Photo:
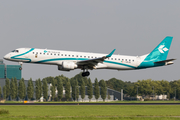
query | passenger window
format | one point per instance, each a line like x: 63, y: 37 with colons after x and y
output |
x: 84, y: 56
x: 58, y: 54
x: 47, y: 53
x: 115, y: 58
x: 72, y: 55
x: 69, y: 55
x: 65, y: 55
x: 111, y: 58
x: 61, y: 54
x: 122, y: 59
x: 76, y: 55
x: 54, y: 54
x: 92, y: 57
x: 80, y: 56
x: 40, y: 53
x: 33, y: 52
x: 119, y: 59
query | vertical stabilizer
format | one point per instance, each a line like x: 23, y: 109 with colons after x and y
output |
x: 161, y: 51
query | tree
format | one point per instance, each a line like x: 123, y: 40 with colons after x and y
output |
x: 82, y: 90
x: 60, y: 88
x: 24, y: 88
x: 21, y: 89
x: 0, y: 92
x: 89, y: 89
x: 72, y: 82
x: 45, y: 89
x: 53, y: 89
x: 7, y: 88
x: 13, y: 89
x: 4, y: 92
x: 103, y: 90
x: 96, y: 89
x: 40, y: 87
x: 37, y: 90
x: 30, y: 89
x: 67, y: 90
x: 16, y: 87
x: 76, y: 90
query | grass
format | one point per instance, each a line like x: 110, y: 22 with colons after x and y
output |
x: 137, y: 112
x: 3, y: 111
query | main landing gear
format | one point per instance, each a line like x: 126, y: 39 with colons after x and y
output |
x: 87, y: 73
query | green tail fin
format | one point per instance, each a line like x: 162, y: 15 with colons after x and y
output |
x: 161, y: 51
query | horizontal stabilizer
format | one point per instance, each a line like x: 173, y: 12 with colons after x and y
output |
x: 165, y: 61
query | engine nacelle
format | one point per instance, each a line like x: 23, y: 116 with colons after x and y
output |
x: 67, y: 66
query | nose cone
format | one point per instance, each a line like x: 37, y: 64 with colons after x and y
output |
x: 7, y: 57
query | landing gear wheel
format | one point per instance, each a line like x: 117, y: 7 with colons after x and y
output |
x: 87, y: 73
x: 84, y: 74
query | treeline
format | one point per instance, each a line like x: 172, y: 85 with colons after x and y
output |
x: 75, y: 86
x: 147, y: 87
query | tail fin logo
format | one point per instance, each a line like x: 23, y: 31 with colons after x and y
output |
x: 162, y: 49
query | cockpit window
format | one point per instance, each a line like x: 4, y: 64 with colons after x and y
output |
x: 15, y: 51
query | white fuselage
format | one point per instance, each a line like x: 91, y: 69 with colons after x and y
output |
x: 57, y: 57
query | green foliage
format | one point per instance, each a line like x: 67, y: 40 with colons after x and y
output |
x: 0, y: 92
x: 24, y: 88
x: 67, y: 90
x: 16, y: 87
x: 60, y: 88
x: 7, y: 87
x: 89, y: 89
x: 13, y: 89
x: 4, y: 92
x: 21, y: 89
x: 77, y: 90
x: 53, y: 89
x: 82, y: 90
x: 72, y: 81
x: 37, y: 90
x: 103, y: 90
x: 45, y: 89
x: 3, y: 111
x: 30, y: 89
x: 96, y: 89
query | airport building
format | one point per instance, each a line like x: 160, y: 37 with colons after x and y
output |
x: 10, y: 71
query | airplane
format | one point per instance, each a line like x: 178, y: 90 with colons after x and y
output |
x: 70, y: 60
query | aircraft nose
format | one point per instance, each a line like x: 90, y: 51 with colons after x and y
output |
x: 6, y: 57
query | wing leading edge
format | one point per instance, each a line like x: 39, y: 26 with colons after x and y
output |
x: 93, y: 62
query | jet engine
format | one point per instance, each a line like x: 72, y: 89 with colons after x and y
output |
x: 67, y: 66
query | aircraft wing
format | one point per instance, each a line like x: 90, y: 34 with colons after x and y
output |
x: 93, y: 62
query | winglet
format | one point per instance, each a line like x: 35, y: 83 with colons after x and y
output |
x: 110, y: 53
